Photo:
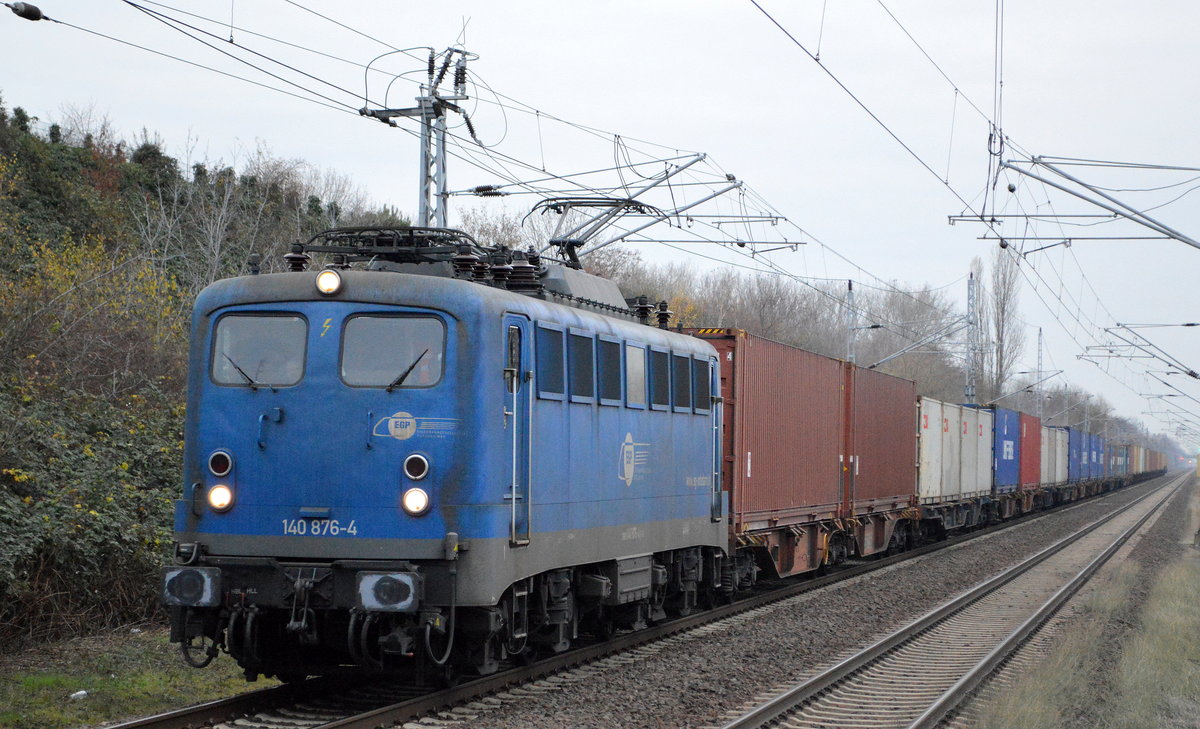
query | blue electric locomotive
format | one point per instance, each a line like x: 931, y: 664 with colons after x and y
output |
x: 440, y: 456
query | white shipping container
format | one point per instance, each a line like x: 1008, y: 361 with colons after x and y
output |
x: 934, y: 449
x: 929, y: 449
x: 942, y: 446
x: 952, y: 451
x: 1061, y: 451
x: 969, y: 463
x: 976, y: 471
x: 1047, y: 470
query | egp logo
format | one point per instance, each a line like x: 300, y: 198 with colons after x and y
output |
x: 632, y: 455
x: 400, y: 426
x: 403, y: 426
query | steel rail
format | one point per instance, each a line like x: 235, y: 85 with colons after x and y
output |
x: 414, y: 708
x: 235, y: 707
x: 964, y: 687
x: 784, y: 703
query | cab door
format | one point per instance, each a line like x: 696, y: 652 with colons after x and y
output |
x: 518, y: 407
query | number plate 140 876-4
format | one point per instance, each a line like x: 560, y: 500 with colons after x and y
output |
x: 319, y: 528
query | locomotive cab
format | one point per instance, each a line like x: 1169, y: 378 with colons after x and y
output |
x: 324, y: 439
x: 364, y: 486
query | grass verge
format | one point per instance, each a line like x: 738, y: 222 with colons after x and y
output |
x: 1157, y: 680
x: 126, y: 675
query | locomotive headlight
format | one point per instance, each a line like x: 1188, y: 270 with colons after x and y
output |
x: 220, y: 463
x: 415, y: 501
x: 220, y: 497
x: 416, y: 467
x: 329, y: 282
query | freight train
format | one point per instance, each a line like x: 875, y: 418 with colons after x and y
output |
x: 430, y: 456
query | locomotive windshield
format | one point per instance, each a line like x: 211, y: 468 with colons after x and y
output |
x: 254, y: 350
x: 393, y: 351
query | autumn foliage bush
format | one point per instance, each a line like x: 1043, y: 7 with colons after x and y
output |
x: 86, y: 488
x: 103, y: 245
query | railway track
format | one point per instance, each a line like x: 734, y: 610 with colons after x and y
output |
x: 918, y: 675
x: 331, y: 703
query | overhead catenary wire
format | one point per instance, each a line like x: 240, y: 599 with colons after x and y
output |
x: 860, y: 103
x: 482, y: 162
x: 179, y: 25
x: 340, y: 107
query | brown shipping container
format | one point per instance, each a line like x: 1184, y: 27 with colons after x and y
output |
x: 783, y: 430
x: 1030, y: 451
x: 885, y: 441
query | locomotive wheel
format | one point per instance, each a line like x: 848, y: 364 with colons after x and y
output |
x: 605, y: 629
x: 449, y: 676
x: 527, y: 656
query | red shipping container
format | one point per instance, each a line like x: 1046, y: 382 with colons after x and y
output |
x: 884, y: 441
x: 1031, y: 451
x: 784, y: 418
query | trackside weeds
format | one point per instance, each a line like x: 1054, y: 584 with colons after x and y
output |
x: 1130, y: 661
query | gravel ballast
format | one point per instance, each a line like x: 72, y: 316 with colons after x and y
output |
x: 701, y: 676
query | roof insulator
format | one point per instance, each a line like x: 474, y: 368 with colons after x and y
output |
x: 663, y: 315
x: 297, y: 260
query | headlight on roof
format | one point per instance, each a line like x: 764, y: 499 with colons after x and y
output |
x: 329, y: 282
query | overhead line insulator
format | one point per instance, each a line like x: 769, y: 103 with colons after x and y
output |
x: 27, y: 11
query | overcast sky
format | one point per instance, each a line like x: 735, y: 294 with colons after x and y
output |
x: 1099, y: 80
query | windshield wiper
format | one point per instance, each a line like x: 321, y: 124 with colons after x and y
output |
x: 403, y: 375
x: 249, y: 380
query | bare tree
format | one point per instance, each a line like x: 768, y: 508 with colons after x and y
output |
x: 1007, y: 341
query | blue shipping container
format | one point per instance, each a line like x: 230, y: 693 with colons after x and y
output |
x: 1075, y: 455
x: 1006, y: 451
x: 1118, y: 461
x: 1099, y: 469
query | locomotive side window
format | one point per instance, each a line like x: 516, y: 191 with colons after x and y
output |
x: 701, y: 386
x: 550, y: 363
x: 393, y: 351
x: 609, y: 369
x: 581, y: 366
x: 681, y: 382
x: 512, y: 362
x: 635, y: 376
x: 660, y: 380
x: 259, y: 350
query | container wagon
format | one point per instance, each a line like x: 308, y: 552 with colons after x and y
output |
x: 818, y: 454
